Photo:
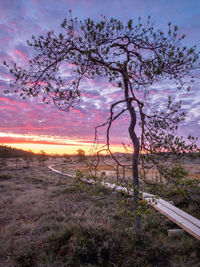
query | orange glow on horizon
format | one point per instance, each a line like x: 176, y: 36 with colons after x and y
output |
x: 50, y: 144
x: 60, y: 149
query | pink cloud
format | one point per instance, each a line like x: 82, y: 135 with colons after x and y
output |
x: 14, y: 102
x: 30, y: 127
x: 89, y: 95
x: 39, y: 83
x: 10, y: 30
x: 77, y: 112
x: 37, y: 17
x: 8, y: 108
x: 21, y: 140
x: 4, y: 99
x: 19, y: 53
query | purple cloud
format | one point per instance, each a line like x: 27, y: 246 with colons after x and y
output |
x: 20, y: 19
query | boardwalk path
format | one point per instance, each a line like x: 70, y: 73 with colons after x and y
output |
x: 181, y: 218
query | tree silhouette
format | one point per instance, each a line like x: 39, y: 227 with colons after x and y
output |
x: 132, y: 56
x: 81, y: 155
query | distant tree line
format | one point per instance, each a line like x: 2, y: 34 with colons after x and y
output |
x: 9, y: 152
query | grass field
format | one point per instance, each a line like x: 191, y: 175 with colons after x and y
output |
x: 50, y: 220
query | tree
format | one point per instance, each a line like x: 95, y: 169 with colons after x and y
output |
x: 132, y: 56
x: 42, y: 157
x: 81, y: 155
x: 28, y: 158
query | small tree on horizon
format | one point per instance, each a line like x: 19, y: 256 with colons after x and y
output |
x: 81, y: 155
x: 42, y: 157
x: 132, y: 56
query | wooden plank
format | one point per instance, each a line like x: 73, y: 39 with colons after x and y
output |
x: 182, y: 222
x: 176, y: 210
x: 59, y: 172
x: 55, y: 170
x: 178, y: 216
x: 175, y: 232
x: 181, y: 218
x: 180, y: 212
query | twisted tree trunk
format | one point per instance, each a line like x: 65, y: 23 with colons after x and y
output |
x: 135, y: 155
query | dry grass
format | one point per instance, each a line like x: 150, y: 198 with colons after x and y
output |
x: 193, y: 168
x: 49, y: 220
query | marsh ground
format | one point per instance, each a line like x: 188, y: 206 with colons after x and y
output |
x: 50, y: 220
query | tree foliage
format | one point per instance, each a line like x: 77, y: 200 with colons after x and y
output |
x: 108, y: 48
x: 81, y: 155
x: 132, y: 56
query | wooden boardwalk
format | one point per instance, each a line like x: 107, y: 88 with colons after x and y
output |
x: 178, y: 216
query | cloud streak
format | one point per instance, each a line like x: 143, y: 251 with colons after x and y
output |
x: 20, y: 19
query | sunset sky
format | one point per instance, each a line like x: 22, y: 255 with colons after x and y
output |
x: 31, y: 124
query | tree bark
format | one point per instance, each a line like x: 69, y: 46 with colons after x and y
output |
x: 135, y: 155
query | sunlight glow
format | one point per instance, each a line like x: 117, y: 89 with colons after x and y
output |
x: 49, y: 144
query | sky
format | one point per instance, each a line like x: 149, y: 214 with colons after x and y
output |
x: 31, y: 124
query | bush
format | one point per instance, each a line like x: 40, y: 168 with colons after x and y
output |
x: 84, y: 245
x: 96, y: 246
